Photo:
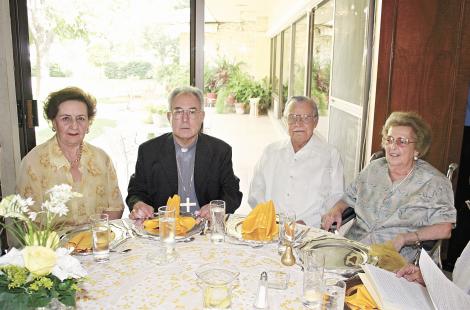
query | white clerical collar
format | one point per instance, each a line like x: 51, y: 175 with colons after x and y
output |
x: 186, y: 149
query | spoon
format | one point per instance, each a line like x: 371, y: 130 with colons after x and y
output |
x: 121, y: 251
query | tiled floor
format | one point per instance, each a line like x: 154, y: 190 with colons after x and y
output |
x: 248, y: 136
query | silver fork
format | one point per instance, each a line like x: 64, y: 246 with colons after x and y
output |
x: 128, y: 228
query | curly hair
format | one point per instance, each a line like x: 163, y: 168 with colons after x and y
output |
x: 53, y: 101
x: 421, y: 129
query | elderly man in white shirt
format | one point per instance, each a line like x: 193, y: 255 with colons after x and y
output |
x: 303, y: 173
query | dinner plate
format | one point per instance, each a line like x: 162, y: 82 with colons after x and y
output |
x: 138, y: 228
x: 342, y: 256
x: 65, y: 236
x: 233, y: 228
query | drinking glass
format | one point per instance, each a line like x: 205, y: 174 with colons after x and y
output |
x: 100, y: 233
x: 286, y: 220
x: 313, y: 285
x: 217, y: 210
x: 217, y: 282
x: 334, y: 294
x: 167, y: 229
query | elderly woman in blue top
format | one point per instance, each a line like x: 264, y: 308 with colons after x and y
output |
x: 400, y: 197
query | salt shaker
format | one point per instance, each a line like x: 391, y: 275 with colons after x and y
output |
x: 261, y: 301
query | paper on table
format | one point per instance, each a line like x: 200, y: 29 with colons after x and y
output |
x: 393, y: 292
x: 444, y: 293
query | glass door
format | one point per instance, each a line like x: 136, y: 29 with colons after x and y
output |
x: 128, y: 54
x: 350, y: 81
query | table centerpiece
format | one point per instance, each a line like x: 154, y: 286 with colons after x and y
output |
x: 40, y: 273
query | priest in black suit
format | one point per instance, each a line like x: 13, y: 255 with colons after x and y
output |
x: 186, y: 162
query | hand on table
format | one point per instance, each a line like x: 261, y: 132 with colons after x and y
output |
x: 141, y: 210
x: 205, y: 212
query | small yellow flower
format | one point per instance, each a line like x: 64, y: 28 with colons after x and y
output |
x: 39, y: 260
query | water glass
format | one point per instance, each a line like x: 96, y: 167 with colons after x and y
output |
x: 167, y: 229
x: 100, y: 233
x: 217, y: 282
x: 334, y: 294
x: 217, y: 210
x: 313, y: 285
x: 286, y: 220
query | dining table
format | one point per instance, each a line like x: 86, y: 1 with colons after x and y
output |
x: 132, y: 280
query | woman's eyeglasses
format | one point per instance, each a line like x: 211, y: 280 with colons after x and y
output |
x: 191, y: 113
x: 400, y: 141
x: 301, y: 118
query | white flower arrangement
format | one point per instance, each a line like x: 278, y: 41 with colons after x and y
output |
x: 40, y: 271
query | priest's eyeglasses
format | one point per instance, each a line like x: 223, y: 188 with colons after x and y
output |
x: 301, y: 118
x: 400, y: 141
x: 190, y: 113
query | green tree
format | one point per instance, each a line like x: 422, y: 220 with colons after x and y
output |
x: 47, y: 25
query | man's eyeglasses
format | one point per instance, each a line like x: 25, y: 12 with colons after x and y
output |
x: 190, y: 113
x: 301, y: 118
x: 400, y: 141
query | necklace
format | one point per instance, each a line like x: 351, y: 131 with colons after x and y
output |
x: 394, y: 188
x: 188, y: 204
x: 74, y: 163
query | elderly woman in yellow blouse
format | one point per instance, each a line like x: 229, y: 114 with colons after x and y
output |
x: 401, y: 197
x: 67, y: 159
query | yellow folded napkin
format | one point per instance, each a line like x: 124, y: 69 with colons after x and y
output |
x: 260, y: 224
x: 183, y: 223
x: 389, y: 258
x: 358, y: 298
x: 83, y: 241
x: 173, y: 203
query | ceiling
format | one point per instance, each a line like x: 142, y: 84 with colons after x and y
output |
x: 235, y: 11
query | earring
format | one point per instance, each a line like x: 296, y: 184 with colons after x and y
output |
x: 415, y: 157
x: 53, y: 129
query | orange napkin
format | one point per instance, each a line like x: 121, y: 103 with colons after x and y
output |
x: 389, y: 258
x: 173, y: 203
x: 260, y: 224
x: 183, y: 223
x: 83, y: 241
x: 358, y: 298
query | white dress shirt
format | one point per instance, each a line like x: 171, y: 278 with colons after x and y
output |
x: 461, y: 273
x: 309, y: 182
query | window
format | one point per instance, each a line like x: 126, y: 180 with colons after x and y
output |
x: 321, y: 62
x: 299, y: 56
x: 286, y: 59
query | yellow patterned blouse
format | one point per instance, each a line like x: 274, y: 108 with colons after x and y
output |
x: 46, y: 166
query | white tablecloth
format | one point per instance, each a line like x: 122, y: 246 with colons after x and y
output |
x: 132, y: 281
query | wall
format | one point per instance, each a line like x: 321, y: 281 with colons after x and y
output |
x: 9, y: 145
x: 424, y: 66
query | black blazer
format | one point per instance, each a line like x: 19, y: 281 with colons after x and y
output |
x: 156, y: 175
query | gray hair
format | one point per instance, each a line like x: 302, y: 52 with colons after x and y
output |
x: 196, y: 92
x: 296, y: 99
x: 420, y: 128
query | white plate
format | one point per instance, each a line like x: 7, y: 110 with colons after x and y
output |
x: 119, y: 235
x: 138, y: 228
x: 233, y: 227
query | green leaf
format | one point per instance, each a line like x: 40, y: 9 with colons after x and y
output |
x: 13, y: 301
